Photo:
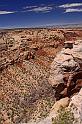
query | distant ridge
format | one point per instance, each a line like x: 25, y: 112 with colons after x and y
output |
x: 65, y: 26
x: 47, y: 26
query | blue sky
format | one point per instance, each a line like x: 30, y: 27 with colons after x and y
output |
x: 32, y: 13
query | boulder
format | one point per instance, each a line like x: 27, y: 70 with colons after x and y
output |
x: 56, y: 79
x: 76, y: 107
x: 64, y: 102
x: 3, y: 47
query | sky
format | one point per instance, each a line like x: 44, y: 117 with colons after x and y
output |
x: 34, y: 13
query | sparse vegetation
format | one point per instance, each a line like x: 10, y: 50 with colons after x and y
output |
x: 25, y: 61
x: 65, y: 116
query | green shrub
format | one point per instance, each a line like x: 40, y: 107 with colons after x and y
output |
x: 64, y: 116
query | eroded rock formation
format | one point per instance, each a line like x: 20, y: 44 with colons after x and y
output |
x: 76, y: 107
x: 66, y: 75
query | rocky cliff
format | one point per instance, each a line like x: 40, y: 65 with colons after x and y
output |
x: 66, y: 79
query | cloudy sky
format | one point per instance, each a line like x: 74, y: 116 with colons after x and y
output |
x: 28, y: 13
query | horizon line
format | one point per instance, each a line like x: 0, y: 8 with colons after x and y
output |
x: 41, y: 26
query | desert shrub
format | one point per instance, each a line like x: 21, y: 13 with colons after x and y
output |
x: 65, y: 116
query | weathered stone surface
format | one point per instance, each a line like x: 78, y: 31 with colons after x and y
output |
x: 74, y: 83
x: 3, y: 45
x: 76, y: 107
x: 64, y: 102
x: 67, y: 61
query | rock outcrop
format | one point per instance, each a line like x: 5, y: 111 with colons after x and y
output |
x: 65, y: 67
x: 76, y: 107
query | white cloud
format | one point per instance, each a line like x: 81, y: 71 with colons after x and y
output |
x: 70, y: 5
x: 41, y: 9
x: 73, y: 10
x: 29, y: 7
x: 5, y: 12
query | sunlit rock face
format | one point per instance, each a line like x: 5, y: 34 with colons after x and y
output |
x: 76, y: 107
x: 65, y: 67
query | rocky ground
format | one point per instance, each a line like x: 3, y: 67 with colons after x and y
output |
x: 27, y: 87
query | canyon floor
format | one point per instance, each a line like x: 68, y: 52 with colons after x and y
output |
x: 26, y: 56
